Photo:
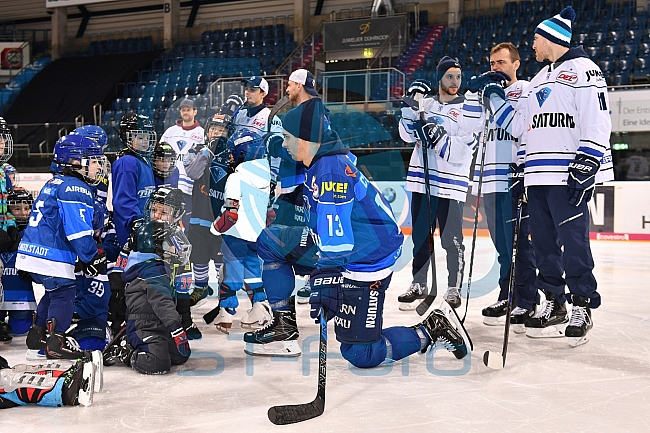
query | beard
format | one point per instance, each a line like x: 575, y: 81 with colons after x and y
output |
x: 449, y: 91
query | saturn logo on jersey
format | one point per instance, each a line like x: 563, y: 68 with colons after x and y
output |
x: 373, y: 303
x: 542, y: 95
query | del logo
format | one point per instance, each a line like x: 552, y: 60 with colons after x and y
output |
x: 258, y: 123
x: 515, y: 94
x: 338, y: 187
x: 542, y: 95
x: 567, y: 77
x: 454, y: 113
x: 197, y: 137
x: 349, y: 172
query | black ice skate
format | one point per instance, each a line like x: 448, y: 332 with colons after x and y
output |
x: 580, y: 322
x: 5, y: 333
x: 199, y: 294
x: 193, y: 332
x: 407, y: 300
x: 452, y: 296
x: 442, y: 331
x: 550, y: 321
x: 118, y: 350
x: 492, y: 313
x: 78, y: 383
x: 517, y: 318
x: 36, y: 342
x: 279, y: 336
x: 59, y: 345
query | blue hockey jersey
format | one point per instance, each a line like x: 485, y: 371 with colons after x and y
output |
x: 59, y: 230
x: 132, y: 183
x: 19, y: 294
x: 353, y: 224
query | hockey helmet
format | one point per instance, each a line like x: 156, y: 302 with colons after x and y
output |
x: 6, y: 141
x: 100, y: 215
x: 12, y: 174
x: 163, y: 239
x: 246, y: 145
x: 164, y: 159
x: 83, y: 156
x: 165, y: 204
x: 94, y: 132
x: 138, y: 134
x: 19, y: 204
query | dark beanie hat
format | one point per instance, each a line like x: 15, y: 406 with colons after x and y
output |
x: 444, y: 64
x: 307, y: 120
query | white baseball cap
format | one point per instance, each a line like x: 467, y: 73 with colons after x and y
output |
x: 306, y: 78
x: 258, y: 82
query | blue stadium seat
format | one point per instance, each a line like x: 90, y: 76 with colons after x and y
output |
x: 608, y: 50
x: 606, y: 65
x: 621, y: 79
x: 644, y: 48
x: 625, y: 63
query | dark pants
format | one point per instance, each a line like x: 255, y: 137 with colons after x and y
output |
x: 156, y: 355
x: 501, y: 212
x: 448, y: 214
x: 556, y: 224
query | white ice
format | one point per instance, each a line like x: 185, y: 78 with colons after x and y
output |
x: 546, y: 386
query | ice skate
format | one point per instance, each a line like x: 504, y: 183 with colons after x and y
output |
x: 492, y: 313
x: 60, y: 345
x: 452, y: 296
x: 78, y: 384
x: 5, y: 332
x: 118, y: 350
x: 199, y: 295
x: 36, y: 342
x: 223, y: 321
x: 61, y: 365
x: 580, y: 322
x: 517, y: 318
x: 279, y: 336
x: 453, y: 318
x: 550, y: 321
x: 416, y: 291
x: 302, y: 295
x: 193, y: 332
x: 258, y: 316
x: 441, y: 333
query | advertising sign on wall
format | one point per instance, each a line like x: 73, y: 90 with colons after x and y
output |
x: 359, y: 34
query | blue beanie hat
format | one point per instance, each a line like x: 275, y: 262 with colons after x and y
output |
x: 445, y: 64
x: 558, y: 28
x: 307, y: 121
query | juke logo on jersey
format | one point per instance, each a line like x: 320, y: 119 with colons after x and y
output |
x: 553, y: 120
x: 542, y: 95
x: 594, y: 73
x: 336, y: 187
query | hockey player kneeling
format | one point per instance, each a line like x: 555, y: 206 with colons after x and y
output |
x: 154, y: 338
x: 358, y: 242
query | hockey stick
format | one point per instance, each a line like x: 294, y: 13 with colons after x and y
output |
x: 428, y: 300
x: 492, y: 359
x: 478, y: 202
x: 289, y: 414
x: 211, y: 315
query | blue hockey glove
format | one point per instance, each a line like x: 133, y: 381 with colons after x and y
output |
x: 516, y: 181
x: 325, y: 292
x: 477, y: 83
x: 434, y: 132
x: 582, y: 178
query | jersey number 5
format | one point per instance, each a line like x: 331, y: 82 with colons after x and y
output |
x: 36, y: 217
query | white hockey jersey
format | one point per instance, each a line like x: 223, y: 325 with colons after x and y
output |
x: 182, y: 139
x: 250, y: 185
x: 449, y: 164
x: 258, y: 123
x: 500, y: 146
x: 565, y: 112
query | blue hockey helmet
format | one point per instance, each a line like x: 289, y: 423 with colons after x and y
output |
x: 12, y: 173
x: 100, y: 215
x: 138, y: 134
x: 93, y: 131
x: 246, y: 145
x: 83, y: 156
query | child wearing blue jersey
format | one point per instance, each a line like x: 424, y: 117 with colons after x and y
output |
x: 358, y: 241
x: 58, y: 234
x: 19, y: 301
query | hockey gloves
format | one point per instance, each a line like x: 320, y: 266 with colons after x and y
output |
x: 325, y: 292
x: 478, y: 83
x: 582, y: 178
x: 25, y: 276
x: 97, y: 265
x: 223, y: 223
x: 419, y: 86
x: 516, y: 178
x: 182, y: 344
x: 434, y: 132
x: 274, y: 145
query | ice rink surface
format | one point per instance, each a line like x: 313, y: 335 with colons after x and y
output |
x: 547, y: 386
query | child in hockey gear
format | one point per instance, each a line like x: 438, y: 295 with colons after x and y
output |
x: 8, y: 232
x: 19, y: 301
x: 48, y: 385
x: 550, y: 321
x: 183, y: 136
x: 60, y: 233
x: 209, y: 166
x: 449, y: 156
x: 99, y: 135
x: 13, y: 177
x: 164, y: 165
x: 341, y: 208
x: 241, y: 222
x: 501, y: 186
x: 154, y: 327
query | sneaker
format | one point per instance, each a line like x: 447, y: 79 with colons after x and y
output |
x: 580, y: 322
x: 258, y: 316
x: 193, y: 332
x: 452, y: 296
x: 492, y: 313
x: 518, y: 317
x: 279, y: 336
x: 415, y: 292
x: 118, y: 350
x: 550, y: 321
x: 78, y: 388
x: 199, y: 294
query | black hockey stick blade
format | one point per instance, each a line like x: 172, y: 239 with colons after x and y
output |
x: 211, y: 315
x: 293, y: 413
x: 424, y: 305
x: 493, y: 360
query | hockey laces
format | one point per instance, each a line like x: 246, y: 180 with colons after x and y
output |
x: 72, y: 344
x: 499, y: 304
x: 415, y: 287
x: 518, y: 311
x: 579, y: 316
